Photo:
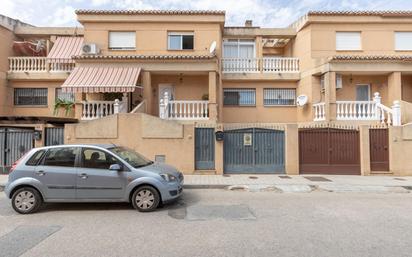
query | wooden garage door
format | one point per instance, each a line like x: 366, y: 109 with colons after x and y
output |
x: 329, y: 151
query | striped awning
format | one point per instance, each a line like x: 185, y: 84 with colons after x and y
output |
x: 64, y: 48
x: 102, y: 79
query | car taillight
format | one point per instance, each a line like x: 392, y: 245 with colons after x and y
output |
x: 13, y: 166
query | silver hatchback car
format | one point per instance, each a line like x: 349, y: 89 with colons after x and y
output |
x: 90, y: 173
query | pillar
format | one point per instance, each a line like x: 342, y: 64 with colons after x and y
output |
x: 292, y: 149
x: 330, y: 95
x: 394, y: 87
x: 147, y: 91
x: 365, y: 158
x: 212, y: 96
x: 219, y: 153
x: 78, y: 109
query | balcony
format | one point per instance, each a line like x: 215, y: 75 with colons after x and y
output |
x: 92, y: 110
x: 261, y: 68
x: 361, y: 111
x: 183, y: 109
x: 264, y: 65
x: 38, y: 67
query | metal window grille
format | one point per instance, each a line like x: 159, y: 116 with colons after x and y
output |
x: 30, y: 96
x: 239, y: 97
x: 66, y: 96
x: 278, y: 96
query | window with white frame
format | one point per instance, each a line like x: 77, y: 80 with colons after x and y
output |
x: 403, y: 41
x: 279, y: 96
x: 64, y: 96
x: 122, y: 40
x: 239, y: 48
x: 30, y: 96
x: 348, y: 41
x: 180, y: 41
x: 239, y: 97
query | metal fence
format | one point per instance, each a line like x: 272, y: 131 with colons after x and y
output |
x: 54, y: 136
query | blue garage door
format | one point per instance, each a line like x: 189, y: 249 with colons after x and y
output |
x: 254, y: 150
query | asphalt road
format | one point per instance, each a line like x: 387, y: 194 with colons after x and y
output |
x: 218, y: 223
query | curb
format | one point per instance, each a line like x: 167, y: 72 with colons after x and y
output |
x: 205, y: 186
x: 307, y: 188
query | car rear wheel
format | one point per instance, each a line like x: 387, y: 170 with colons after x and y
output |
x: 26, y: 200
x: 145, y: 199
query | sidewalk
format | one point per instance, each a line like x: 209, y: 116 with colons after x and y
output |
x: 297, y: 184
x: 302, y: 183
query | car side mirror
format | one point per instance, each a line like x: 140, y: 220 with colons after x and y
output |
x: 115, y: 167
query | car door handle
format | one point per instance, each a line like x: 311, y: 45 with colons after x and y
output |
x: 83, y: 176
x: 41, y: 173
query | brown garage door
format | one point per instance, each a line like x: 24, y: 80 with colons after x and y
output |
x: 329, y: 151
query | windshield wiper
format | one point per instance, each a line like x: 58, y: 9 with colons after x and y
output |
x: 144, y: 165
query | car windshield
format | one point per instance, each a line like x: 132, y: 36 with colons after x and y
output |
x: 131, y: 157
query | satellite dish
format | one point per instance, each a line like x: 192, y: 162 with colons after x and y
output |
x: 212, y: 48
x: 302, y: 100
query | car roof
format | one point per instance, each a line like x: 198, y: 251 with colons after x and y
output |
x: 104, y: 146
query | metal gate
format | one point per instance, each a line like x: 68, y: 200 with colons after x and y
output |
x: 254, y: 150
x: 329, y: 151
x: 14, y: 142
x: 379, y: 149
x: 54, y: 136
x: 204, y: 149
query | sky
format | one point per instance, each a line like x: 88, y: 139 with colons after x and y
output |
x: 265, y: 13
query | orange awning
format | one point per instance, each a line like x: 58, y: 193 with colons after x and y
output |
x: 64, y: 48
x: 102, y: 79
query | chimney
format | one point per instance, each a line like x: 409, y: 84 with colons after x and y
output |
x: 248, y: 23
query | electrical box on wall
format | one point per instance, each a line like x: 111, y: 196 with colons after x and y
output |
x: 339, y: 82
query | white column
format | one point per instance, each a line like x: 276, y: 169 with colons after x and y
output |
x: 377, y: 100
x: 396, y: 110
x: 116, y: 106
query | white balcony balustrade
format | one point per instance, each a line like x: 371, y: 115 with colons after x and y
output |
x: 38, y: 64
x: 362, y: 111
x: 264, y: 65
x: 319, y: 112
x: 92, y: 110
x: 356, y: 110
x: 183, y: 109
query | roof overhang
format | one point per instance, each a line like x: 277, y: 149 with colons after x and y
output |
x: 263, y: 32
x: 175, y: 16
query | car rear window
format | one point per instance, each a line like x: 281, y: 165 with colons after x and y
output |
x: 35, y: 158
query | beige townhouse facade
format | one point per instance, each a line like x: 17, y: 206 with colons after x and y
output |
x: 330, y: 94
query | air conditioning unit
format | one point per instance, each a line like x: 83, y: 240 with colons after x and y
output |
x: 339, y: 83
x: 90, y: 49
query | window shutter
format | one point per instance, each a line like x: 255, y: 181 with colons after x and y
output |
x: 348, y: 41
x: 403, y: 41
x: 122, y: 40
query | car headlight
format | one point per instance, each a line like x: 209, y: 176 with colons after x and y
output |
x: 168, y: 177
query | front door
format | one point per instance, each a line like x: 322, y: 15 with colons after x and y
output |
x: 57, y: 172
x: 362, y: 93
x: 94, y: 178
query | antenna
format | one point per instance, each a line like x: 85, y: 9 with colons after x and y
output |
x: 212, y: 48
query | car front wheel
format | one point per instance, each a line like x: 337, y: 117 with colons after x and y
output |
x: 26, y: 200
x: 145, y: 199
